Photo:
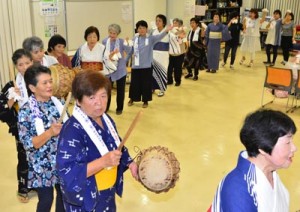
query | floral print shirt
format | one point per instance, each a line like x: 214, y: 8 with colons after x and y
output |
x: 42, y: 162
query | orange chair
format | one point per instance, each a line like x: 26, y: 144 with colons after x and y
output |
x: 297, y: 92
x: 278, y: 79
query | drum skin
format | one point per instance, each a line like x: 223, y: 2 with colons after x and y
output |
x: 158, y: 169
x: 62, y: 79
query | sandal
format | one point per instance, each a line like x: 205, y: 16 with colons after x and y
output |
x: 250, y: 64
x: 130, y: 103
x: 242, y: 61
x: 160, y: 94
x: 23, y: 198
x: 145, y: 105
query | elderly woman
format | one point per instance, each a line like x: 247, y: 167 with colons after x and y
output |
x: 89, y: 56
x: 56, y: 48
x: 13, y: 97
x: 213, y: 36
x: 141, y: 74
x: 35, y: 46
x: 89, y: 164
x: 115, y: 64
x: 160, y: 57
x: 195, y: 56
x: 177, y: 40
x: 38, y: 131
x: 254, y: 184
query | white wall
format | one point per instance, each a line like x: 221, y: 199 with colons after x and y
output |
x: 177, y: 9
x: 248, y: 3
x: 148, y: 9
x: 38, y: 21
x: 142, y: 10
x: 99, y: 14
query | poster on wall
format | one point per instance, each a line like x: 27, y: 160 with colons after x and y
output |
x: 126, y: 11
x: 200, y: 10
x: 50, y: 30
x: 49, y: 8
x: 189, y: 8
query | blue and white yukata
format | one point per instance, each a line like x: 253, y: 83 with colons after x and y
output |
x: 76, y: 149
x: 246, y: 189
x: 160, y: 62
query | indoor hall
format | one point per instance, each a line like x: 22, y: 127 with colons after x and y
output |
x: 198, y: 121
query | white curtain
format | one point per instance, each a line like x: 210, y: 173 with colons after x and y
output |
x: 15, y: 25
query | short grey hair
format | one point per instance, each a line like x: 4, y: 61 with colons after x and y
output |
x: 33, y: 43
x: 115, y: 28
x: 179, y: 21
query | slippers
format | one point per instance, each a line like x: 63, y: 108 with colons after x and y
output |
x: 23, y: 198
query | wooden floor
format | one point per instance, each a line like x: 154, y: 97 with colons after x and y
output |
x: 200, y: 122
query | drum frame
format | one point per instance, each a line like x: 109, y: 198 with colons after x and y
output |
x: 174, y: 163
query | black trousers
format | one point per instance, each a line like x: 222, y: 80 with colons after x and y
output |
x: 233, y: 48
x: 141, y: 85
x: 22, y: 169
x: 175, y: 66
x: 45, y: 196
x: 268, y: 50
x: 196, y: 62
x: 286, y: 45
x: 121, y: 83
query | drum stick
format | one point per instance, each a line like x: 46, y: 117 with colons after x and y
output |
x: 60, y: 120
x: 132, y: 126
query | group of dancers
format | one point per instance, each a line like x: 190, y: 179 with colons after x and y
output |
x: 157, y: 57
x: 49, y: 156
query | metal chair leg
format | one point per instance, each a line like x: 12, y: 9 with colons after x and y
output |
x: 295, y: 107
x: 262, y: 99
